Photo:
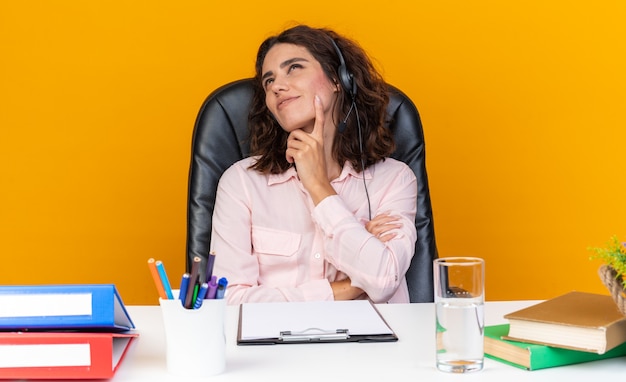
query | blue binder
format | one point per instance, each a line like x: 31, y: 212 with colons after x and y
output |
x: 94, y: 307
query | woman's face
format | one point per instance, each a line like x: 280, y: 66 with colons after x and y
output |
x: 292, y: 77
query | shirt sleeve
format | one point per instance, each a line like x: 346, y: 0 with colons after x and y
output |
x: 376, y: 267
x: 232, y: 243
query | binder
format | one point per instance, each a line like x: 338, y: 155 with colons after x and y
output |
x: 62, y: 355
x: 96, y: 307
x: 311, y: 322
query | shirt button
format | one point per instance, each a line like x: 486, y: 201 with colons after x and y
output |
x: 317, y: 255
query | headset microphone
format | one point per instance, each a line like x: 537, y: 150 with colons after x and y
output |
x: 342, y: 124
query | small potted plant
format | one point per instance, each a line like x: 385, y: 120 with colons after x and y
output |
x: 613, y: 271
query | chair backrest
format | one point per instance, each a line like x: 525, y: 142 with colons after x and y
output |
x: 220, y: 138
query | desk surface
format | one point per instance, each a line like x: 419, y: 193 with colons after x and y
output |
x: 412, y: 358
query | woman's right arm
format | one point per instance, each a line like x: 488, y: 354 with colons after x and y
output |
x: 231, y: 241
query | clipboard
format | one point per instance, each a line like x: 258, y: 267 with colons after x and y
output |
x: 276, y: 323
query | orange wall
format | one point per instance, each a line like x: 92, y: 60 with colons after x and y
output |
x: 523, y: 105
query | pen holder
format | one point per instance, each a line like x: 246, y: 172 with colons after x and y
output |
x: 194, y: 338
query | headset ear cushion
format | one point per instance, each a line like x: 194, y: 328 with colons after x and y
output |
x: 347, y: 81
x: 343, y: 78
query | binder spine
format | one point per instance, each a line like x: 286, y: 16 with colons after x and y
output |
x: 60, y: 307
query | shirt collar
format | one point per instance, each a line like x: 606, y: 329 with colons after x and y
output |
x: 347, y: 170
x: 283, y: 177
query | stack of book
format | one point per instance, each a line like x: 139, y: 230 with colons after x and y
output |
x: 62, y: 331
x: 573, y: 328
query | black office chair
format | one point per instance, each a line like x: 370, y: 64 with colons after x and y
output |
x: 220, y: 139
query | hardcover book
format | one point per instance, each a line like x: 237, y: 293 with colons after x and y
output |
x: 531, y: 356
x: 576, y: 320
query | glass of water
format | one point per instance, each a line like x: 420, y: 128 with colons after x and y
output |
x: 459, y: 300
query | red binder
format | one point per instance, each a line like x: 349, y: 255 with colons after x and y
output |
x: 62, y: 355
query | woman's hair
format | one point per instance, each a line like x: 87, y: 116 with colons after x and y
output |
x: 269, y: 141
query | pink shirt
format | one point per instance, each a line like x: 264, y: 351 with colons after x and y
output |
x: 273, y: 244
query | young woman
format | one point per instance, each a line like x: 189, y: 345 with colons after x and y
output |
x: 319, y: 211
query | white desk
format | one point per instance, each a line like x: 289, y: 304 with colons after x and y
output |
x: 412, y: 358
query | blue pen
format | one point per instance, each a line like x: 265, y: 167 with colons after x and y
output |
x: 201, y: 294
x: 184, y: 284
x: 164, y: 280
x: 221, y: 288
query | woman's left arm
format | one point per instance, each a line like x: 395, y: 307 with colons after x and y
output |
x: 377, y: 254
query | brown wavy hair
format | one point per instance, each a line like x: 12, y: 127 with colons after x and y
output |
x: 269, y: 141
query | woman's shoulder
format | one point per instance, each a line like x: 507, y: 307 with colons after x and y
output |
x: 246, y: 162
x: 392, y: 167
x: 392, y: 164
x: 242, y: 166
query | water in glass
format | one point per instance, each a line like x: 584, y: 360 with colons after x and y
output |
x: 459, y: 334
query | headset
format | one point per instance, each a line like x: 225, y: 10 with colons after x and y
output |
x: 346, y: 79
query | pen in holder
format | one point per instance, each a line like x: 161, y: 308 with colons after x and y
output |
x: 194, y: 338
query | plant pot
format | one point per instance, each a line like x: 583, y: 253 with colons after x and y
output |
x: 615, y: 285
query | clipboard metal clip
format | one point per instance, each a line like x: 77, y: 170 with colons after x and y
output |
x: 314, y: 334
